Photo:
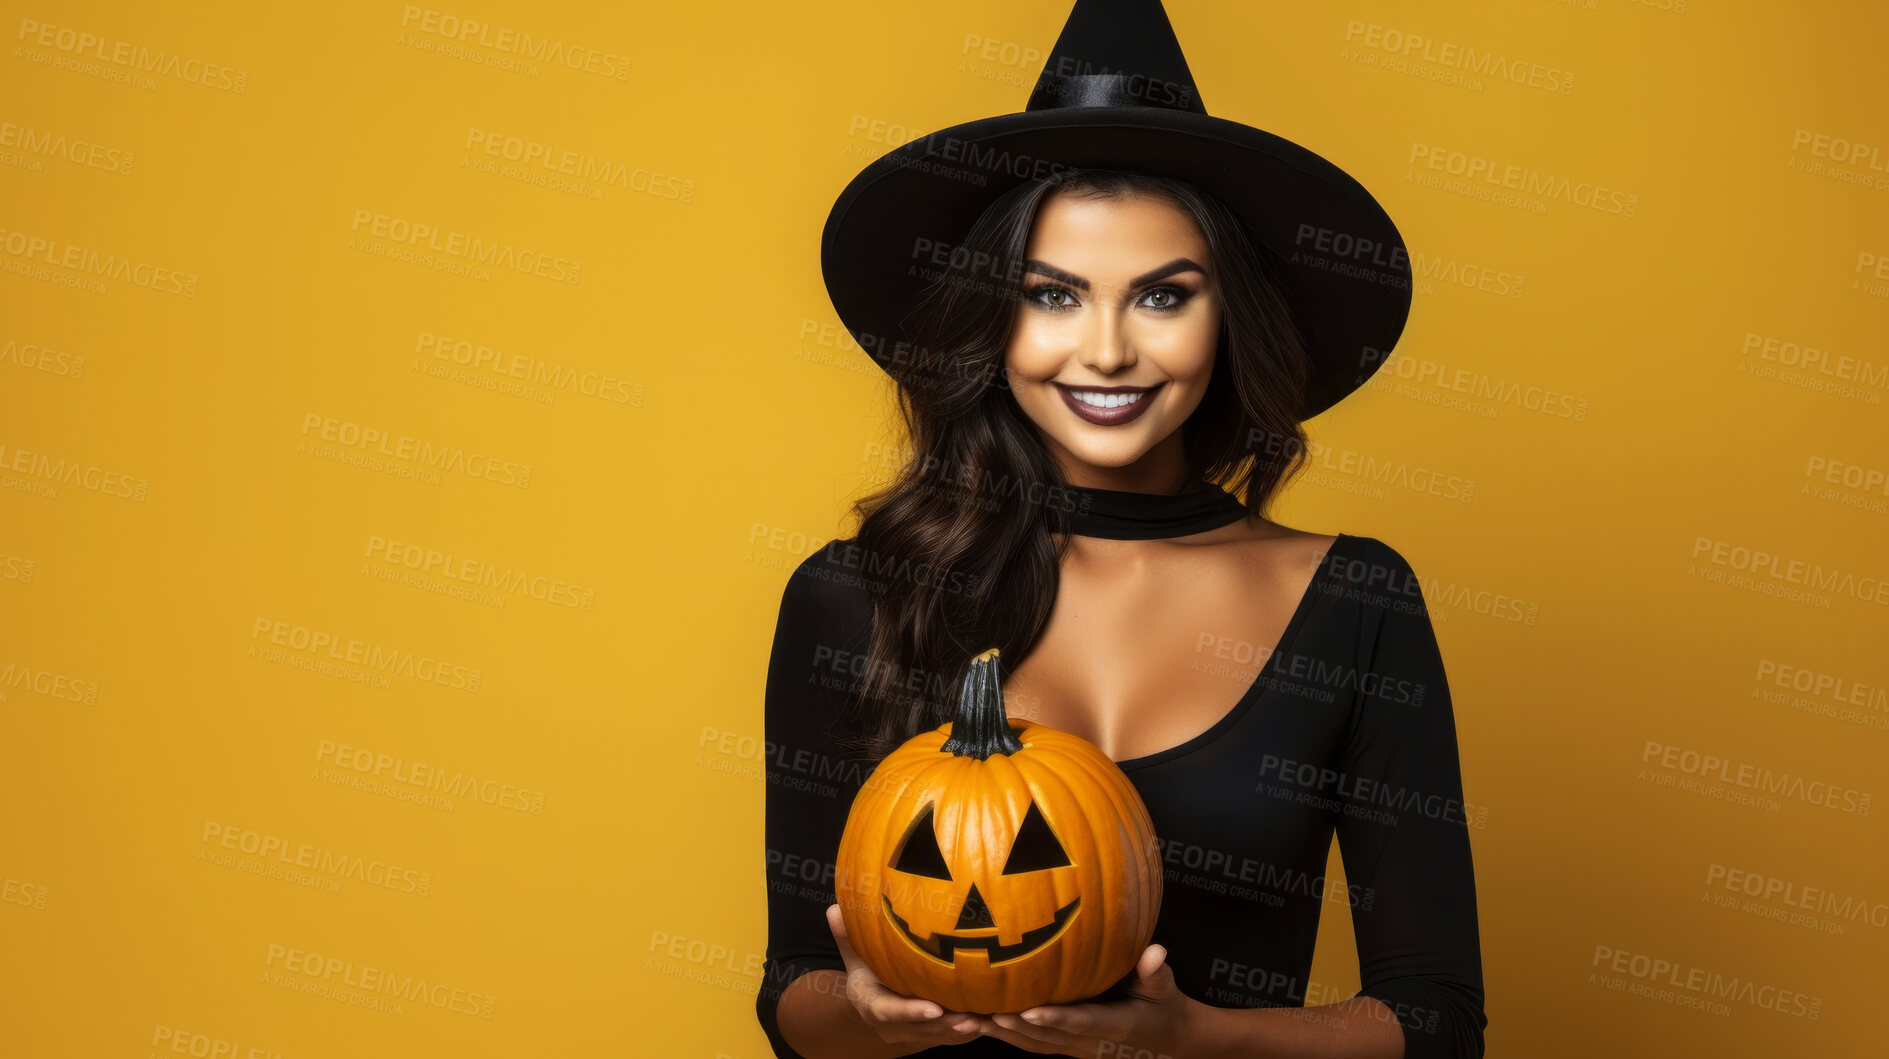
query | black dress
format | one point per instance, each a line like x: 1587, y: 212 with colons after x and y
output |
x: 1347, y: 727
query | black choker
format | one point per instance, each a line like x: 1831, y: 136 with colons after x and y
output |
x: 1118, y: 514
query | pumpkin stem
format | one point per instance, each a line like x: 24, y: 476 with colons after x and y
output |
x: 980, y: 728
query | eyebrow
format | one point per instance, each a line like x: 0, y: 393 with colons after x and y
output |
x: 1178, y: 265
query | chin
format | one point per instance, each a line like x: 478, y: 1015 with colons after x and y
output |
x: 1120, y: 452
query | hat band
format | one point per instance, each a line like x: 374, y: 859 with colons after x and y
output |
x: 1055, y: 91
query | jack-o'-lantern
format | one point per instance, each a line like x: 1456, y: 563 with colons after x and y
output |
x: 989, y: 867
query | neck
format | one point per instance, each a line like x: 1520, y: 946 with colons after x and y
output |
x: 1139, y: 516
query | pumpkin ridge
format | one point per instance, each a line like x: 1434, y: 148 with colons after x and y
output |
x: 1130, y: 817
x: 1071, y: 971
x: 1125, y: 871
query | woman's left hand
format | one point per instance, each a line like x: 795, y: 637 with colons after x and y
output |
x: 1155, y: 1016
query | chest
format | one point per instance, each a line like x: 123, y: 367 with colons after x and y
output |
x: 1148, y: 647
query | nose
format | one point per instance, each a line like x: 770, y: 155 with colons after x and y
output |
x: 1106, y: 346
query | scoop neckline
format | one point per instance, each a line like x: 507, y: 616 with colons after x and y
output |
x: 1257, y: 689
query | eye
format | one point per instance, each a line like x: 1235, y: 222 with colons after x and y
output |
x: 919, y: 855
x: 1036, y: 847
x: 1049, y: 296
x: 1166, y: 299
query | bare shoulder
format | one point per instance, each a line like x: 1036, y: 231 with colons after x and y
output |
x: 1278, y: 538
x: 1294, y: 554
x: 1302, y: 550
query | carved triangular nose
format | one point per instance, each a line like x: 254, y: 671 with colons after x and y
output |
x: 976, y: 913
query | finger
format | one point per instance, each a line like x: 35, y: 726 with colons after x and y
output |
x: 1151, y: 961
x: 1154, y: 979
x: 837, y: 924
x: 874, y: 1000
x: 1057, y: 1040
x: 950, y: 1028
x: 886, y: 1006
x: 958, y: 1027
x: 854, y: 965
x: 928, y: 1035
x: 1030, y: 1043
x: 864, y: 989
x: 1083, y: 1020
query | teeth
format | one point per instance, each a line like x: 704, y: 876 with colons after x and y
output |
x: 1107, y: 400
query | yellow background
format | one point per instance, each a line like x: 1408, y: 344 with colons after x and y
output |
x: 602, y: 884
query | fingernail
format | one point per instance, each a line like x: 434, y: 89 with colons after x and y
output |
x: 932, y: 1013
x: 1031, y: 1016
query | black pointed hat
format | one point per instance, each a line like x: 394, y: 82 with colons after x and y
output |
x: 1116, y: 93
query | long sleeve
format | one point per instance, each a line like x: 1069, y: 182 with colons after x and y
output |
x: 819, y: 641
x: 1403, y: 835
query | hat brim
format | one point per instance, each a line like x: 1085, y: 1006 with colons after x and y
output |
x: 1341, y: 259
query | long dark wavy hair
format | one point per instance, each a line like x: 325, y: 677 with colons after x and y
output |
x: 959, y: 548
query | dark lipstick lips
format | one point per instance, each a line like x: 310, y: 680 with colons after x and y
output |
x: 1108, y: 417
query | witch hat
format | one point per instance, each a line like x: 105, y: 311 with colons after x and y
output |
x: 1116, y: 93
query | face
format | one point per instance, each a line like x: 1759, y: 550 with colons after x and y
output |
x: 1034, y: 849
x: 1114, y: 341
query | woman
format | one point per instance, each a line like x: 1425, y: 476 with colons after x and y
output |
x: 1091, y: 373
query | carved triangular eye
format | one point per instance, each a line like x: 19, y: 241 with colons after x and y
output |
x: 1036, y: 847
x: 920, y: 854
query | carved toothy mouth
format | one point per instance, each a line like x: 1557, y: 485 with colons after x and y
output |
x: 945, y: 946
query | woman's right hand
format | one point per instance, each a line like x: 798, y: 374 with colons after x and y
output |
x: 896, y: 1018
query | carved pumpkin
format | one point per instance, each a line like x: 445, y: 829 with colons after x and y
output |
x: 989, y: 867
